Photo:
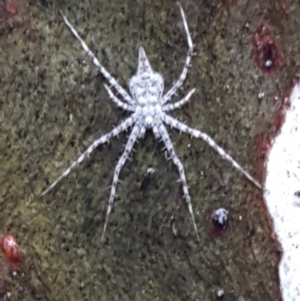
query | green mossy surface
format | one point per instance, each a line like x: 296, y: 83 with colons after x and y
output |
x: 53, y: 105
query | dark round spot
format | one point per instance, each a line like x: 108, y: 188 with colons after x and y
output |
x: 220, y: 219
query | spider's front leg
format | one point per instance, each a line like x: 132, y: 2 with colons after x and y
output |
x: 198, y: 134
x: 135, y: 133
x: 160, y: 131
x: 116, y: 131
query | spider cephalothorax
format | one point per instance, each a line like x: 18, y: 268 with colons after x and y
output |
x: 149, y: 107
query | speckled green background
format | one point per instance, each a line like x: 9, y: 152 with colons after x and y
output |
x: 53, y: 105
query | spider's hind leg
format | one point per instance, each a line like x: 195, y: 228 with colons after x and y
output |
x: 113, y: 82
x: 183, y: 74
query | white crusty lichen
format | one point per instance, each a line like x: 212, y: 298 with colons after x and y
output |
x: 282, y: 195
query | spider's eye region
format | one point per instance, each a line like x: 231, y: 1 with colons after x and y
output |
x: 148, y: 120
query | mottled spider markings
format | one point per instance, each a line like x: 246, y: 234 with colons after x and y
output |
x: 149, y: 107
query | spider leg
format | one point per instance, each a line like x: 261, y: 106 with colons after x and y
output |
x: 117, y: 101
x: 96, y: 62
x: 120, y: 128
x: 179, y: 103
x: 128, y: 148
x: 198, y: 134
x: 183, y: 74
x: 163, y: 134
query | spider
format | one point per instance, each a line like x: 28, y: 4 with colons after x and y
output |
x: 149, y: 109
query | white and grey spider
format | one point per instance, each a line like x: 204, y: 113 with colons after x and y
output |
x: 149, y: 107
